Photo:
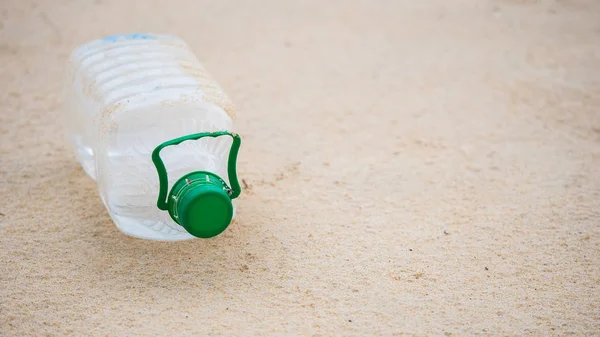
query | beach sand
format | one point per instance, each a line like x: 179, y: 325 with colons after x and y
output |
x: 411, y: 168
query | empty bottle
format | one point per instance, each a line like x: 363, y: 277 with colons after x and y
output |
x: 154, y: 130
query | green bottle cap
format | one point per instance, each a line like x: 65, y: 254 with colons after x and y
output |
x: 200, y: 201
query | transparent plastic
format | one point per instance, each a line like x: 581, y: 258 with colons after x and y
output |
x: 124, y: 96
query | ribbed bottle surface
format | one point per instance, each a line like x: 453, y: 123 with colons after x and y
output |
x: 127, y: 94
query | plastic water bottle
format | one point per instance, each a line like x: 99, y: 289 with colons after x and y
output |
x: 154, y: 130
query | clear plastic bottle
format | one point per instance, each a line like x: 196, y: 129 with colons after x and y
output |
x: 144, y: 116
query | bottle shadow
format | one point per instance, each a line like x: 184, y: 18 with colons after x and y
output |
x: 119, y: 261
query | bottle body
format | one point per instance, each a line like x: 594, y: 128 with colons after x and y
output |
x: 126, y: 95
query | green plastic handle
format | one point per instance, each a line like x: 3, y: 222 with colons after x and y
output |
x: 231, y: 164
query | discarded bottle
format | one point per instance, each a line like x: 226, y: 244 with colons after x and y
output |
x: 143, y: 115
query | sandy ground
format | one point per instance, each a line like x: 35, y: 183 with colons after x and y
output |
x: 413, y: 168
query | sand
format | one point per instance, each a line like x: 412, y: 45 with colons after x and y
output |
x: 412, y: 168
